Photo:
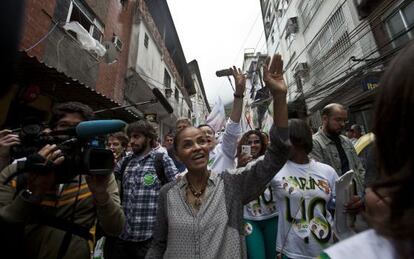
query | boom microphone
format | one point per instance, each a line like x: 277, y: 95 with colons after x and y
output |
x: 98, y: 127
x: 163, y: 101
x: 92, y: 128
x: 224, y: 72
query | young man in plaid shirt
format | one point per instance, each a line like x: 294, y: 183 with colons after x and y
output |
x: 140, y: 185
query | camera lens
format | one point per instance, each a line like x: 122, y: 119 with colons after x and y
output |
x: 32, y: 129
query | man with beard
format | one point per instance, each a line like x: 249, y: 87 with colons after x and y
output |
x: 332, y: 148
x: 336, y: 150
x: 140, y: 186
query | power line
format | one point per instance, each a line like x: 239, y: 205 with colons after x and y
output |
x: 325, y: 24
x: 353, y: 34
x: 43, y: 38
x: 358, y: 29
x: 257, y: 44
x: 373, y: 51
x: 315, y: 95
x: 247, y: 37
x: 314, y: 37
x: 383, y: 58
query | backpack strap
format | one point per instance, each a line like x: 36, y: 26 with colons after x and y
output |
x: 159, y: 168
x: 120, y: 175
x: 124, y: 164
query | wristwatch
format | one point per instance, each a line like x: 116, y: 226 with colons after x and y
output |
x: 27, y: 195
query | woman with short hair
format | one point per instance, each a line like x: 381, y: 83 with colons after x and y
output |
x: 201, y: 215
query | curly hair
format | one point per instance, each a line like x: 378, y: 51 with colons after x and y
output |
x: 121, y: 137
x: 60, y: 110
x: 245, y: 137
x: 145, y: 128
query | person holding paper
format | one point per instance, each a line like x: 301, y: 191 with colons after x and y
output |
x: 389, y: 202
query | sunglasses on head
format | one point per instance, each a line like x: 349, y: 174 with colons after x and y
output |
x: 251, y: 142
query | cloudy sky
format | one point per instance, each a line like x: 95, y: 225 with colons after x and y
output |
x: 217, y: 33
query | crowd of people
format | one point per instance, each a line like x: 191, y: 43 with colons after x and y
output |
x: 247, y: 194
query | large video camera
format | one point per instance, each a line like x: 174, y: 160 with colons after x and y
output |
x: 82, y: 146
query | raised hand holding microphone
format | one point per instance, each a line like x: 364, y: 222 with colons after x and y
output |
x: 240, y: 82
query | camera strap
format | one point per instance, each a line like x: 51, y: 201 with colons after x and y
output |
x: 159, y: 168
x: 67, y: 226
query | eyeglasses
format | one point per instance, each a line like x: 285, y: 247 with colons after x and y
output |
x: 251, y: 142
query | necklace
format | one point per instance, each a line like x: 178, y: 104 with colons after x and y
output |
x: 197, y: 195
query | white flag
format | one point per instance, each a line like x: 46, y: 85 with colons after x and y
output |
x: 267, y: 122
x: 217, y: 117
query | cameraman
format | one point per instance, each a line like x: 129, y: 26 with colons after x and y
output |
x: 50, y: 220
x: 7, y: 140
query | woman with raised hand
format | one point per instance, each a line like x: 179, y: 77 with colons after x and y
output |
x: 260, y: 215
x: 389, y: 204
x: 201, y: 215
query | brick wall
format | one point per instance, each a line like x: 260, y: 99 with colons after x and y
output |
x: 100, y: 7
x: 111, y: 78
x: 37, y: 23
x: 118, y: 21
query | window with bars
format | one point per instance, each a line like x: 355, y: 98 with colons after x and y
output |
x: 289, y: 39
x: 167, y: 79
x: 400, y: 23
x: 146, y: 40
x: 269, y: 18
x: 333, y: 42
x: 333, y: 31
x: 177, y: 94
x: 307, y: 9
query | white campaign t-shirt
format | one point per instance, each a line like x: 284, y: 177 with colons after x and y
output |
x: 264, y: 207
x: 222, y: 157
x: 365, y: 245
x: 302, y: 195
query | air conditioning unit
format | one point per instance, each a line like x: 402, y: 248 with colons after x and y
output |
x: 279, y: 13
x: 302, y: 67
x: 267, y: 25
x: 117, y: 42
x: 292, y: 26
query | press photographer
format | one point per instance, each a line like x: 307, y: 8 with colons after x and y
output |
x: 48, y: 210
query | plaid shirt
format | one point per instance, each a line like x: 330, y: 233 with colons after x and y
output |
x: 140, y: 194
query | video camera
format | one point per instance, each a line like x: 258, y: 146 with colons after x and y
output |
x: 82, y: 146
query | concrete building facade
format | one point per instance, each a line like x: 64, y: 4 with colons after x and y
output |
x: 107, y: 54
x: 329, y: 55
x: 201, y: 107
x: 156, y: 60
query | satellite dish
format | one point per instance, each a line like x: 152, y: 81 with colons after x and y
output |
x: 111, y: 54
